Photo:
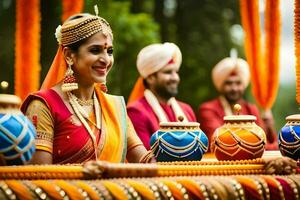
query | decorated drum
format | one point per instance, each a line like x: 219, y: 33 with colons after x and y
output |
x: 17, y: 134
x: 179, y: 141
x: 239, y: 138
x: 289, y: 137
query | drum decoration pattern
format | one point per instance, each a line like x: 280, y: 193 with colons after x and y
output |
x: 289, y: 137
x: 17, y: 133
x: 179, y: 141
x: 239, y: 138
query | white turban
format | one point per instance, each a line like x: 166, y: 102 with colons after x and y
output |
x: 154, y: 57
x: 228, y: 65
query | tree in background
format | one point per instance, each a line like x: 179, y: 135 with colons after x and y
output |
x: 202, y: 30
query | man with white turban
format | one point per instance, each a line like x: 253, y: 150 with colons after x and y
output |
x: 153, y: 98
x: 231, y: 77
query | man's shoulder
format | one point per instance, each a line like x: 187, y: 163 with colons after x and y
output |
x: 211, y: 104
x: 183, y: 104
x: 140, y: 104
x: 249, y: 105
x: 244, y: 102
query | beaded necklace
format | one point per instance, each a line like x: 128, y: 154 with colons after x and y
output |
x: 89, y: 102
x: 82, y: 115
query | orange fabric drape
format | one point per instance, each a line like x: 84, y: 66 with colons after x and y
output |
x: 57, y: 70
x: 27, y: 49
x: 137, y: 91
x: 71, y: 7
x: 59, y: 65
x: 263, y: 62
x: 297, y: 47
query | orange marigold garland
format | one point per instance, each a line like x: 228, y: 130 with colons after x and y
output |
x: 27, y: 49
x: 71, y: 7
x: 264, y: 63
x: 272, y: 30
x: 251, y: 25
x: 297, y: 47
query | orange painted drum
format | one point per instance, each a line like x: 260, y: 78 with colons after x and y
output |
x: 239, y: 138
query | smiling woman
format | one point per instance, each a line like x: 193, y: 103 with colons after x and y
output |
x: 76, y: 121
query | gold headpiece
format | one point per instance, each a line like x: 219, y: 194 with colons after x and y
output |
x: 81, y: 26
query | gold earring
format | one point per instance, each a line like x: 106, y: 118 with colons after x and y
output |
x: 103, y: 87
x: 69, y: 82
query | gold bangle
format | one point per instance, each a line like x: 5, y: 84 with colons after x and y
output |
x: 153, y: 187
x: 130, y: 190
x: 20, y: 190
x: 177, y: 189
x: 103, y: 192
x: 7, y: 191
x: 84, y: 194
x: 61, y: 192
x: 250, y: 185
x: 164, y: 190
x: 142, y: 188
x: 88, y: 189
x: 49, y: 188
x: 219, y: 188
x: 296, y: 180
x: 39, y: 193
x: 272, y: 182
x: 293, y: 186
x: 231, y: 192
x: 203, y: 188
x: 115, y: 189
x: 264, y: 186
x: 209, y: 189
x: 183, y: 190
x: 238, y: 187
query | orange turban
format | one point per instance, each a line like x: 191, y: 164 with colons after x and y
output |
x: 226, y: 67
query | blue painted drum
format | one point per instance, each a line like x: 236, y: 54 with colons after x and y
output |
x: 289, y: 137
x: 179, y: 141
x: 17, y: 133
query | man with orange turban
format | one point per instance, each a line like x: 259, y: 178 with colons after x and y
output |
x: 231, y: 77
x: 153, y: 98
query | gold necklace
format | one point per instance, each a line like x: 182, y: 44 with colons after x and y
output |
x: 85, y: 114
x: 82, y: 115
x: 81, y: 102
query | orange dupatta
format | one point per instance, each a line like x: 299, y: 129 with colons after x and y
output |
x: 113, y: 141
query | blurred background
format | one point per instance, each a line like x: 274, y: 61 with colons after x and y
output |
x: 204, y: 30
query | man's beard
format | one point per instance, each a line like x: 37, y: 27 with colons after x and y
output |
x: 165, y: 92
x: 233, y: 98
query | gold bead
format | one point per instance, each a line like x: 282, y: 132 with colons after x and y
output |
x: 237, y: 108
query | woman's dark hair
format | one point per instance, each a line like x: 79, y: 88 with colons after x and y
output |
x: 75, y: 46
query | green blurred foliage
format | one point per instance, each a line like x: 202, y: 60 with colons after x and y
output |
x: 204, y: 38
x: 131, y: 33
x: 285, y: 105
x: 7, y: 32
